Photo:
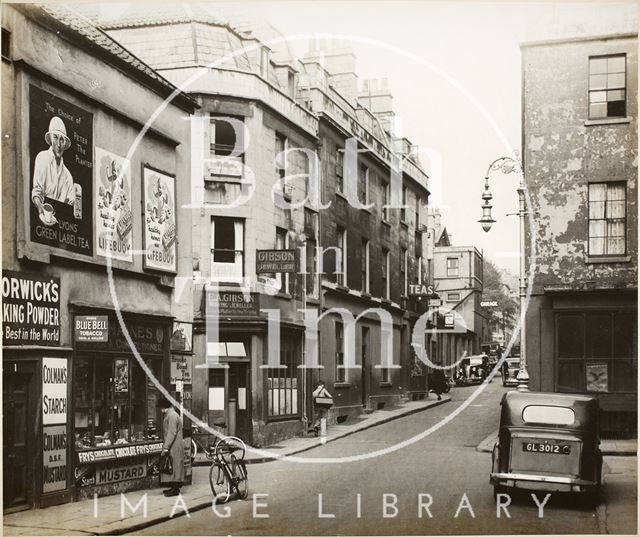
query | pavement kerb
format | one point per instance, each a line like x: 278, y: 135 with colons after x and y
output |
x: 486, y: 446
x: 207, y: 504
x: 356, y: 429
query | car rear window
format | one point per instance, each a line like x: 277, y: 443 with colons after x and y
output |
x: 550, y: 415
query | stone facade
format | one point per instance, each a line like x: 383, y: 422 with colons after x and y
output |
x: 583, y: 284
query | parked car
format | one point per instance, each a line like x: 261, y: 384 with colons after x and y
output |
x: 510, y: 368
x: 548, y: 442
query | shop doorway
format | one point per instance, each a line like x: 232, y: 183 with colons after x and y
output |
x: 239, y: 422
x: 17, y: 488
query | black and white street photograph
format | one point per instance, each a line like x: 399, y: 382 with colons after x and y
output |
x: 322, y: 267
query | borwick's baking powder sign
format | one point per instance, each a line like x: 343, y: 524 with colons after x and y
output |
x: 30, y: 309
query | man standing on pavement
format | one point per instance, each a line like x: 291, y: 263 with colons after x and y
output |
x: 172, y: 447
x: 320, y: 408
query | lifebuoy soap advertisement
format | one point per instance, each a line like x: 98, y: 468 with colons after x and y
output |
x: 61, y: 173
x: 159, y: 220
x: 114, y: 220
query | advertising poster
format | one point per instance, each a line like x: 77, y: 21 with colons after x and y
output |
x: 54, y: 458
x: 159, y: 228
x: 30, y: 309
x: 122, y: 376
x: 114, y: 219
x: 55, y: 374
x: 61, y: 173
x: 597, y: 378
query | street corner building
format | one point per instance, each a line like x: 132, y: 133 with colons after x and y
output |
x: 85, y: 271
x: 580, y: 114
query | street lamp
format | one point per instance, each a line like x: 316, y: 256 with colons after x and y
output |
x: 509, y: 165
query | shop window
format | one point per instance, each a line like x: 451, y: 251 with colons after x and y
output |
x: 227, y: 249
x: 282, y: 383
x: 607, y: 218
x: 596, y: 351
x: 607, y: 86
x: 341, y: 371
x: 115, y: 402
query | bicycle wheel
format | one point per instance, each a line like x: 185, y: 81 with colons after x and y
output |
x: 239, y: 476
x: 220, y: 486
x: 236, y: 445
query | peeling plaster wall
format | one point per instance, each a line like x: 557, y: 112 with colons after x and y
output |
x: 563, y: 152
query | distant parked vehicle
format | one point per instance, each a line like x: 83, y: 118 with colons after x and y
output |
x: 548, y: 442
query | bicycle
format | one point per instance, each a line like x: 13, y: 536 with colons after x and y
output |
x: 228, y: 472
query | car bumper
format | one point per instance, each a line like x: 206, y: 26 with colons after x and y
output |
x: 543, y: 482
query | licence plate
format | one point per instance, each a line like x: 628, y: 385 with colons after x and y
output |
x: 544, y: 447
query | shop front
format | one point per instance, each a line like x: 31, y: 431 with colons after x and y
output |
x: 116, y: 426
x: 240, y: 394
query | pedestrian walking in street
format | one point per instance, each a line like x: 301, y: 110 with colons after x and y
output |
x: 438, y: 381
x: 322, y: 402
x: 172, y: 447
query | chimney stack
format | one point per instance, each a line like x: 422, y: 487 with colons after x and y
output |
x: 337, y: 58
x: 376, y: 97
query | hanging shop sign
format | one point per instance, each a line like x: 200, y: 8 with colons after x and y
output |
x: 232, y: 303
x: 181, y: 366
x: 181, y: 336
x: 91, y: 328
x: 270, y: 261
x: 55, y: 374
x: 61, y: 173
x: 54, y: 458
x: 114, y: 219
x: 159, y: 227
x: 30, y: 309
